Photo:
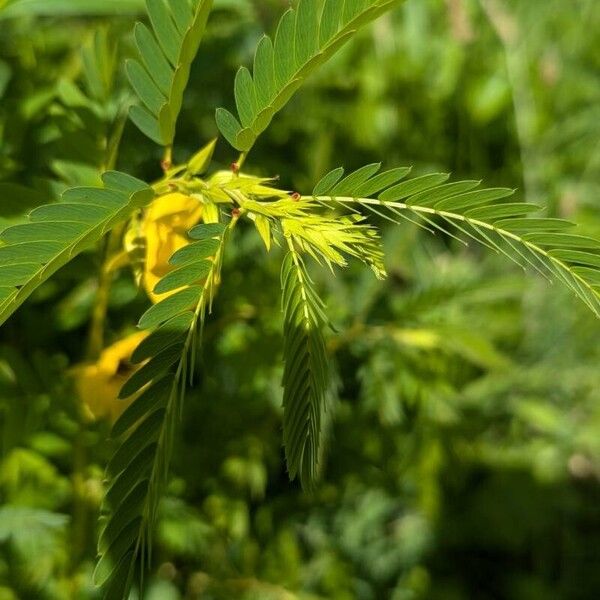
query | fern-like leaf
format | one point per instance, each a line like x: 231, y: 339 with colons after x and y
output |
x: 56, y: 233
x: 138, y: 469
x: 306, y: 376
x: 483, y: 215
x: 306, y: 38
x: 166, y: 55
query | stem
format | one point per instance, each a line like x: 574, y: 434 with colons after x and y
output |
x: 95, y: 344
x: 100, y: 310
x: 241, y: 160
x: 167, y: 161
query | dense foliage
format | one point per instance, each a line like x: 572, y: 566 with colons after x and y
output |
x: 456, y: 422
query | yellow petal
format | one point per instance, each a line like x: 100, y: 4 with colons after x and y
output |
x: 98, y: 384
x: 112, y: 357
x: 167, y: 222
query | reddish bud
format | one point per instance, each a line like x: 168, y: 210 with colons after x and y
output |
x: 235, y: 213
x: 235, y: 168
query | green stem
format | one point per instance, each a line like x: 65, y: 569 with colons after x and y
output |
x: 167, y: 161
x: 95, y: 344
x: 100, y: 310
x: 241, y: 160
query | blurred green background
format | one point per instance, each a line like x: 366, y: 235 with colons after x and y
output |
x: 464, y: 454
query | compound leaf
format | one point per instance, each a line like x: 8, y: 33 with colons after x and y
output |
x: 483, y: 215
x: 306, y: 37
x: 56, y: 233
x: 166, y: 54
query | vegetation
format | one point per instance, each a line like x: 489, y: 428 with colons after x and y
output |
x: 438, y: 407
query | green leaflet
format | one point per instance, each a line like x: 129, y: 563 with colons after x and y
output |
x: 186, y: 275
x: 430, y: 197
x: 413, y: 186
x: 120, y: 548
x: 169, y: 333
x: 355, y: 180
x: 139, y: 466
x: 155, y: 368
x: 306, y: 38
x: 381, y: 181
x: 328, y: 181
x: 56, y: 233
x: 154, y: 396
x: 147, y: 432
x: 128, y: 511
x: 194, y: 252
x: 577, y: 257
x: 166, y: 54
x: 306, y: 378
x: 170, y: 307
x: 483, y: 215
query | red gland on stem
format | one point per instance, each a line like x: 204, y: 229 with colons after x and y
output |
x: 166, y: 164
x: 296, y: 196
x: 235, y: 213
x: 235, y: 168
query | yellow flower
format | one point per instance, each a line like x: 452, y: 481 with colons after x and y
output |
x: 166, y: 224
x: 98, y: 384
